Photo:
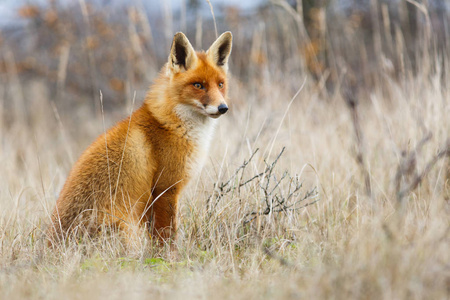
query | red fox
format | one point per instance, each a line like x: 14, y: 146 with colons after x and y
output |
x: 133, y: 174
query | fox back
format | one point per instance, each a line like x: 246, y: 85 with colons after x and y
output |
x: 133, y: 175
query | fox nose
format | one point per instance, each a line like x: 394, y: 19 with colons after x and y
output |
x: 223, y: 108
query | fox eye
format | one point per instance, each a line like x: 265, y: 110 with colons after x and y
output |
x: 220, y: 85
x: 198, y: 85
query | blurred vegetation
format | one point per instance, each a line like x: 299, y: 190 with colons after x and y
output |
x: 380, y: 229
x: 80, y: 48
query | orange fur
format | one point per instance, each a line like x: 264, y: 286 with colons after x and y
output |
x: 134, y: 175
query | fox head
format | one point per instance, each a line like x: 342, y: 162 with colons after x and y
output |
x: 198, y: 80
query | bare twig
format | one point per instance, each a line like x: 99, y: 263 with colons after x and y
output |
x: 352, y: 103
x: 408, y: 163
x: 408, y: 166
x: 223, y: 188
x: 269, y: 185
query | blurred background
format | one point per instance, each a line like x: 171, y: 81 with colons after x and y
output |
x: 354, y: 93
x: 70, y: 50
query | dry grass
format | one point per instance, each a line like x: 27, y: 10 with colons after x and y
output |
x: 350, y: 244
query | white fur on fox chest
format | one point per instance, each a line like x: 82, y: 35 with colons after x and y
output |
x: 200, y: 131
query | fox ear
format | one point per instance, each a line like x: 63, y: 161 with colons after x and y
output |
x: 182, y: 55
x: 220, y: 50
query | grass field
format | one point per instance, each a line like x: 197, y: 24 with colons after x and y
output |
x: 370, y: 220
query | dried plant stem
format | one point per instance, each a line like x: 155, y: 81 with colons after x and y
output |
x: 214, y: 18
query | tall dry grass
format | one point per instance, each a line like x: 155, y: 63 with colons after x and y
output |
x: 355, y: 242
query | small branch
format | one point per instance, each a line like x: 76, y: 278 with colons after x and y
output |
x: 268, y: 185
x: 419, y: 177
x: 224, y: 188
x: 408, y: 163
x: 352, y: 103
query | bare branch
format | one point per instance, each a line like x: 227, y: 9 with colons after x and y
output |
x: 352, y: 103
x: 417, y: 179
